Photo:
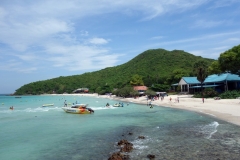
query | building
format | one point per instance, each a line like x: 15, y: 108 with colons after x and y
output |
x: 141, y: 89
x: 222, y: 82
x: 81, y: 90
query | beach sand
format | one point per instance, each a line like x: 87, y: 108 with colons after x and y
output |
x: 224, y: 109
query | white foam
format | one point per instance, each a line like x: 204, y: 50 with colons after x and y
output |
x: 210, y: 129
x: 102, y: 108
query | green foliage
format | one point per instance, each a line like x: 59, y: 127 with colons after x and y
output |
x: 125, y: 91
x: 154, y: 66
x: 229, y: 61
x: 150, y: 92
x: 176, y: 75
x: 214, y: 68
x: 230, y: 94
x: 160, y: 87
x: 136, y: 80
x: 200, y: 70
x: 207, y: 93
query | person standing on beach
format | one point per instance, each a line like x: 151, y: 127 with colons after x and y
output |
x: 202, y: 99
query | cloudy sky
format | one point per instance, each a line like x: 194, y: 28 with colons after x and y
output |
x: 41, y: 40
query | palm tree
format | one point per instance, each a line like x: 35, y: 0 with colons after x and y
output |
x: 200, y: 70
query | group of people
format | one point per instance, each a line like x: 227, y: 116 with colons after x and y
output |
x: 11, y: 108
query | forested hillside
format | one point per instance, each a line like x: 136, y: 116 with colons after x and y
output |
x: 156, y: 66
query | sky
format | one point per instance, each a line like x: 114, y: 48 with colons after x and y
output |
x: 40, y: 40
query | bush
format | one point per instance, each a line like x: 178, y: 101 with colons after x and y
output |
x: 230, y: 94
x: 207, y: 93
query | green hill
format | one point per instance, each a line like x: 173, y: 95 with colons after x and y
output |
x: 156, y: 66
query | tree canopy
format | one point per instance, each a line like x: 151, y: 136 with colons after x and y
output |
x: 229, y: 61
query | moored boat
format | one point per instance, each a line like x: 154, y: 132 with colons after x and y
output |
x: 118, y: 105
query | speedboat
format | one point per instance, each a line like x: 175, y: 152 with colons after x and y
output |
x: 118, y: 105
x: 78, y: 109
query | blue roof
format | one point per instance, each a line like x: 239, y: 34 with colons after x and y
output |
x: 222, y: 77
x: 204, y: 86
x: 190, y: 80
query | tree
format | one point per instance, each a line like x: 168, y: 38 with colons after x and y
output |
x: 200, y: 70
x: 229, y: 61
x: 214, y: 68
x: 136, y: 80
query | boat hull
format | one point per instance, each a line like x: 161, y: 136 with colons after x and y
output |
x: 76, y: 110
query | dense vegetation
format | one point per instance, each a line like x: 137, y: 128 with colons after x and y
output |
x: 229, y: 61
x: 158, y: 68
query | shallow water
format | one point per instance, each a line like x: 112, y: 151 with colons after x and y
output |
x: 33, y: 132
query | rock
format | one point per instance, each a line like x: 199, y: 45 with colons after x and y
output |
x: 141, y: 137
x: 118, y: 156
x: 150, y: 156
x: 125, y: 146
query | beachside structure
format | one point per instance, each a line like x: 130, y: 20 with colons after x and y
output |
x: 81, y: 90
x: 141, y: 89
x: 222, y: 82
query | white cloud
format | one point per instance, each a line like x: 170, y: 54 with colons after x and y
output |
x: 98, y: 41
x: 48, y: 30
x: 224, y: 3
x: 156, y: 38
x: 207, y: 24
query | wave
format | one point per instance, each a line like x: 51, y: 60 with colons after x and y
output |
x: 102, y: 108
x: 210, y: 129
x: 38, y: 109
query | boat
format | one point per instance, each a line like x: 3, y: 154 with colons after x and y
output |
x: 118, y: 105
x: 47, y: 105
x: 78, y: 109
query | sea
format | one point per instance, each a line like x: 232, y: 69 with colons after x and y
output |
x: 33, y: 132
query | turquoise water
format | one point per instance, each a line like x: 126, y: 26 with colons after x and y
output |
x: 33, y: 132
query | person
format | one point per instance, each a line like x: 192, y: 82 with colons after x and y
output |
x: 65, y: 103
x: 170, y: 99
x: 202, y: 99
x: 178, y: 99
x: 107, y: 104
x: 151, y: 106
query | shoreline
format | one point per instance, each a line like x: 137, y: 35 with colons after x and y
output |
x: 225, y: 109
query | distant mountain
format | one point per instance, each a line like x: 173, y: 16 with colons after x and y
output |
x: 155, y: 66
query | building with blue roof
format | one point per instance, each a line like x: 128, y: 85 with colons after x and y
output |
x: 222, y: 82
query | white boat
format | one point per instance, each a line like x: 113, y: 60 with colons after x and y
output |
x: 78, y: 109
x: 118, y: 105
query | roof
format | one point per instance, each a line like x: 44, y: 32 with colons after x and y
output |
x: 222, y: 77
x: 191, y: 80
x: 204, y: 86
x: 140, y: 88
